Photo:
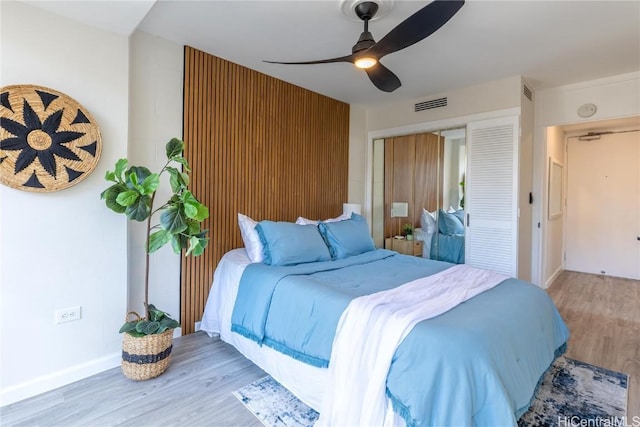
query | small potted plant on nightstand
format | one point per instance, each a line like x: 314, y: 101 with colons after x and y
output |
x: 147, y: 343
x: 407, y: 231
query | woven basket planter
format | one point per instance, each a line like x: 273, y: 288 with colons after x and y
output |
x: 146, y: 357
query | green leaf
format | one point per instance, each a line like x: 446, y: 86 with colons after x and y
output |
x: 193, y: 227
x: 174, y: 148
x: 121, y: 166
x: 150, y: 184
x: 127, y: 198
x: 158, y: 240
x: 128, y: 326
x: 136, y: 175
x: 178, y: 242
x: 173, y: 220
x: 182, y: 161
x: 175, y: 179
x: 132, y: 179
x: 203, y: 212
x: 111, y: 194
x: 168, y: 322
x: 190, y: 210
x: 185, y: 178
x: 147, y: 327
x: 110, y: 176
x: 196, y: 246
x: 154, y: 314
x: 136, y: 334
x: 140, y: 210
x: 193, y: 208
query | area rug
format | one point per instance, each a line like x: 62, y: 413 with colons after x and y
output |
x: 571, y: 391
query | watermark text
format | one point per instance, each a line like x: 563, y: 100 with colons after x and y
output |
x: 578, y: 421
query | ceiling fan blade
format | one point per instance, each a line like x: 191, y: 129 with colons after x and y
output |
x: 348, y: 58
x: 383, y: 78
x: 417, y: 27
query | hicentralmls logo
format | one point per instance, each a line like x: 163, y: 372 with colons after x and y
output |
x: 578, y: 421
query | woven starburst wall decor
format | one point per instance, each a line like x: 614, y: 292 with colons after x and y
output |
x: 48, y: 141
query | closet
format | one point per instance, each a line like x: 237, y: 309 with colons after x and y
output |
x: 478, y: 173
x: 492, y: 199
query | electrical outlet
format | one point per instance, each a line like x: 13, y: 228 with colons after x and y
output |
x: 68, y: 314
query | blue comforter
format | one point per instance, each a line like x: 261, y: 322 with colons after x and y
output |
x: 477, y: 364
x: 449, y: 248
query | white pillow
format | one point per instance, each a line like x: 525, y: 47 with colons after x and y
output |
x: 426, y: 238
x: 250, y: 237
x: 304, y: 221
x: 428, y: 221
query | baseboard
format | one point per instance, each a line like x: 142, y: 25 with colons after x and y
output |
x: 12, y: 394
x: 18, y: 392
x: 553, y: 277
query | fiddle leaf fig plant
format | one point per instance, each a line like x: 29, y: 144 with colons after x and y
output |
x: 180, y: 219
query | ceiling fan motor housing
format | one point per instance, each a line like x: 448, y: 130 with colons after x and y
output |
x: 364, y: 42
x: 366, y: 10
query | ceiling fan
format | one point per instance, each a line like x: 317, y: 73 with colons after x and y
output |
x: 366, y: 53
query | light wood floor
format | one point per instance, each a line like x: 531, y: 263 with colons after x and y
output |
x: 603, y: 316
x: 194, y: 391
x: 602, y: 313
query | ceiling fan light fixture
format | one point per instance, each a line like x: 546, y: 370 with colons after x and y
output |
x: 366, y: 53
x: 365, y: 62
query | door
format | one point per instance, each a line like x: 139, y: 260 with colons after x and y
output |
x: 491, y: 195
x: 603, y: 205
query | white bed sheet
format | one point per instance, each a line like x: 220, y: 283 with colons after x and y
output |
x: 305, y: 381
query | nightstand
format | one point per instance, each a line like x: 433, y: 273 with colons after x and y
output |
x: 406, y: 247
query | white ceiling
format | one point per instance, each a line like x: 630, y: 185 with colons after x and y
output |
x: 550, y: 43
x: 118, y: 16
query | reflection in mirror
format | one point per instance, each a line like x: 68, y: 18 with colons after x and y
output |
x: 427, y: 172
x: 377, y: 210
x: 447, y: 244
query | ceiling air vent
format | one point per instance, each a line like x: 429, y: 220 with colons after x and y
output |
x: 527, y: 92
x: 428, y: 105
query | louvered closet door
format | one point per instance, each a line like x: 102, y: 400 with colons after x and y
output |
x: 491, y: 199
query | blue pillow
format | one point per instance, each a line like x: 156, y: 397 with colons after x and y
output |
x: 460, y: 215
x: 348, y: 237
x: 286, y: 243
x: 449, y: 224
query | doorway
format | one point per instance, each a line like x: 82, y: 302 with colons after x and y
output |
x: 602, y: 231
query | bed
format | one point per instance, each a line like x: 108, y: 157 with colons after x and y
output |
x: 476, y: 364
x: 443, y: 235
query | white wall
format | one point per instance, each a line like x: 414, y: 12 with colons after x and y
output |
x: 615, y: 97
x: 526, y: 226
x: 155, y: 117
x: 358, y: 157
x: 65, y: 248
x: 481, y: 98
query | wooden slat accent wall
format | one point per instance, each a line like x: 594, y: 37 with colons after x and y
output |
x: 258, y: 146
x: 412, y: 174
x: 428, y: 174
